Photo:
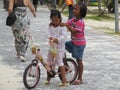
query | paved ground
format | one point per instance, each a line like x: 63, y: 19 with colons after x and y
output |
x: 101, y: 58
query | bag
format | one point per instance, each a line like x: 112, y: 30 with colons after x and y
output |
x: 69, y: 2
x: 11, y: 19
x: 53, y: 49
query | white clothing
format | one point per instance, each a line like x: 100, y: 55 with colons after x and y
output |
x: 57, y: 60
x: 60, y: 33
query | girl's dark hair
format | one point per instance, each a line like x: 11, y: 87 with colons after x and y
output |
x: 55, y: 13
x: 83, y: 10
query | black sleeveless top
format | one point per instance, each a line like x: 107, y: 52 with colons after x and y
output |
x: 19, y: 3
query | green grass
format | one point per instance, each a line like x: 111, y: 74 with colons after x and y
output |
x: 107, y: 17
x: 65, y: 12
x: 111, y: 32
x: 108, y: 31
x: 95, y: 3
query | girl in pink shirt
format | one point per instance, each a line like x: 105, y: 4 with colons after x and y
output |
x: 77, y: 43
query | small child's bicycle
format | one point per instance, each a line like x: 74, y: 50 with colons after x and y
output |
x: 32, y: 72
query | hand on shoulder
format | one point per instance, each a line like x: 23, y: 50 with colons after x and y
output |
x: 63, y: 24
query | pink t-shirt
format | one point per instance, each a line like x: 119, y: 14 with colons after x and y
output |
x: 79, y: 38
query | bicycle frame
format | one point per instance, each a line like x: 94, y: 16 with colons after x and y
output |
x: 39, y: 57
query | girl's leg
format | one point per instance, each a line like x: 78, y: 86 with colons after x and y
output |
x: 78, y: 53
x: 62, y: 70
x: 49, y: 62
x: 48, y: 77
x: 80, y: 70
x: 59, y: 62
x: 80, y: 64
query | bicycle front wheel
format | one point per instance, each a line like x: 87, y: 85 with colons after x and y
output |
x: 31, y: 75
x: 70, y: 70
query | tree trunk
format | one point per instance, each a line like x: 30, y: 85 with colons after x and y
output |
x: 116, y: 16
x: 99, y: 8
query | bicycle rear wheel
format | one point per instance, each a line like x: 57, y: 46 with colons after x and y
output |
x: 31, y: 75
x: 71, y: 70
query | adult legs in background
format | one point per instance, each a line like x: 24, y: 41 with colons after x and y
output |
x: 41, y: 2
x: 35, y: 3
x: 21, y: 42
x: 70, y: 8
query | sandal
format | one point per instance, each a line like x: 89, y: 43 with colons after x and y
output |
x: 77, y: 82
x: 46, y: 82
x: 64, y: 84
x: 22, y: 58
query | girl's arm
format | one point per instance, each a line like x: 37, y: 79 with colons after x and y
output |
x: 69, y: 28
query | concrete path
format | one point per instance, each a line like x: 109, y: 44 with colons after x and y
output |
x: 101, y: 57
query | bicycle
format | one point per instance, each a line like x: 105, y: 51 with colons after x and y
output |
x: 32, y: 72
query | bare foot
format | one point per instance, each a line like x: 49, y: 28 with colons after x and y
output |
x: 77, y: 82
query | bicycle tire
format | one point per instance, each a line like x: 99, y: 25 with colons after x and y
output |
x: 72, y: 75
x: 31, y: 75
